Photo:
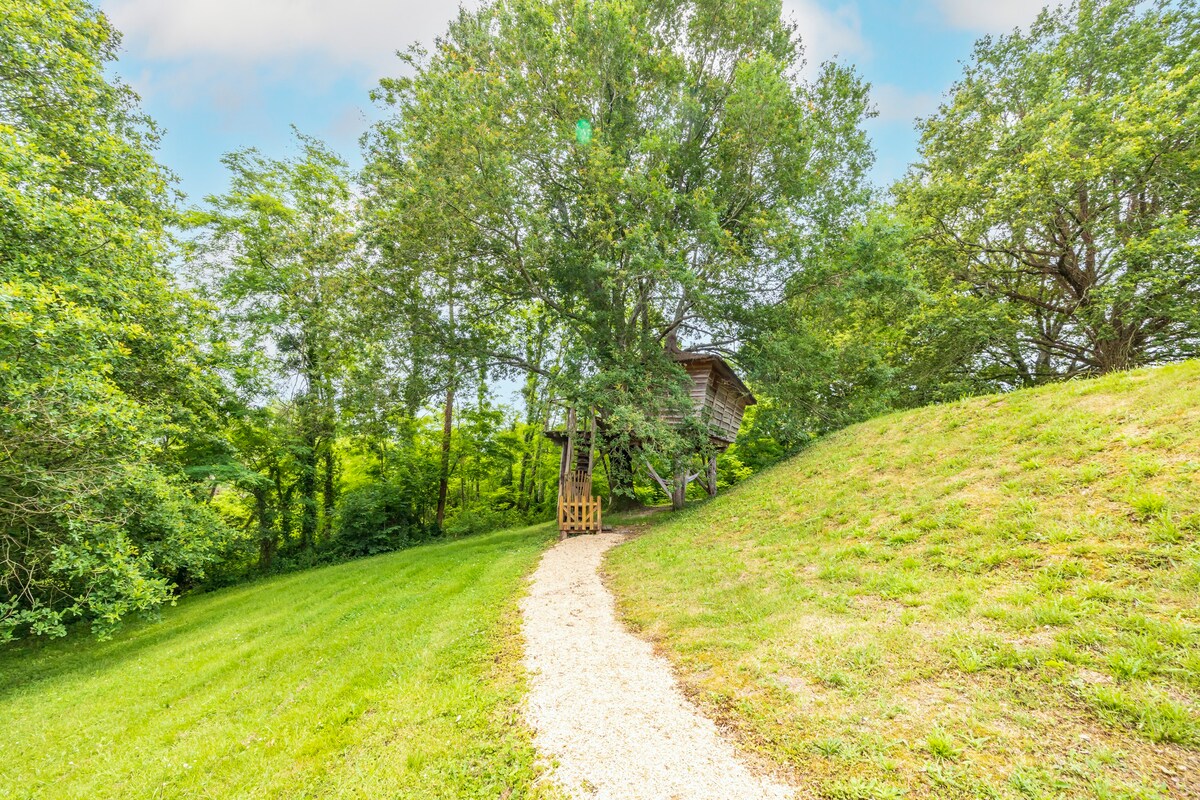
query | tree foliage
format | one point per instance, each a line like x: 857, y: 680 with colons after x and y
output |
x: 861, y: 331
x: 1060, y: 182
x: 563, y: 193
x: 707, y: 172
x: 105, y: 393
x: 278, y: 252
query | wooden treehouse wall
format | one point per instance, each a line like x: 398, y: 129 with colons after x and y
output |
x: 715, y: 399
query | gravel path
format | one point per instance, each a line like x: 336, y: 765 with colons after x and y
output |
x: 605, y: 707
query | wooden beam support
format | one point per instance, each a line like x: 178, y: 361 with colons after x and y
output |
x: 563, y: 467
x: 591, y: 445
x: 571, y: 436
x: 665, y: 487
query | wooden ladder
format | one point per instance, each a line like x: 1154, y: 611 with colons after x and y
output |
x: 578, y: 509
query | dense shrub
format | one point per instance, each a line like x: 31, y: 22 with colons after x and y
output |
x: 483, y: 519
x: 378, y: 518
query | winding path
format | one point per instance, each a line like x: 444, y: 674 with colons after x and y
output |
x: 605, y: 708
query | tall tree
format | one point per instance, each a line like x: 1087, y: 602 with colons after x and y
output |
x: 278, y: 251
x: 638, y: 169
x: 106, y: 389
x: 447, y: 417
x: 863, y: 330
x: 1061, y: 180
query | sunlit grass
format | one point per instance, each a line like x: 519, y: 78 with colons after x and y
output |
x: 396, y: 676
x: 993, y: 598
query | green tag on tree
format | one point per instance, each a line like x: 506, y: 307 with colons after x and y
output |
x: 583, y: 132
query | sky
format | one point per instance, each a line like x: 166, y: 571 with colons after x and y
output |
x: 219, y: 75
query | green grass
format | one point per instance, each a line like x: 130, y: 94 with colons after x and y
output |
x: 396, y: 676
x: 993, y: 598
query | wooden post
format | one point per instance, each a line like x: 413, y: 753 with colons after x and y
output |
x: 562, y: 468
x: 568, y: 451
x: 571, y: 423
x: 591, y: 446
x: 658, y: 479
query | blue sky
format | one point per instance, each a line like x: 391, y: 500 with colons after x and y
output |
x: 224, y: 74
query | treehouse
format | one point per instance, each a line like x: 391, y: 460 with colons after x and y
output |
x: 719, y: 400
x: 719, y: 397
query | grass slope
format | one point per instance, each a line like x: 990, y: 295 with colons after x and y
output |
x: 993, y: 598
x: 393, y: 676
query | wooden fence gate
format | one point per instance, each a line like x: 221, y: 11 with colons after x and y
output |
x: 578, y: 510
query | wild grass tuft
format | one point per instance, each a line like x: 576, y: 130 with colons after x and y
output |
x: 1147, y: 505
x: 941, y: 745
x: 1155, y: 716
x: 860, y: 789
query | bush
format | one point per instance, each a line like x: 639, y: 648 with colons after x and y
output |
x: 482, y: 520
x: 378, y: 518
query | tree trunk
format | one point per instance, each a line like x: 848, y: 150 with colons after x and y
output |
x: 679, y: 488
x: 329, y: 491
x: 447, y: 430
x: 444, y: 473
x: 525, y: 455
x: 532, y: 406
x: 712, y: 476
x: 1115, y: 352
x: 620, y: 480
x: 285, y: 507
x: 267, y: 542
x: 308, y: 489
x: 536, y: 490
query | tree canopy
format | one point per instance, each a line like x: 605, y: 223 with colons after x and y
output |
x: 562, y: 194
x: 1060, y: 182
x: 106, y: 392
x: 277, y: 253
x: 633, y: 172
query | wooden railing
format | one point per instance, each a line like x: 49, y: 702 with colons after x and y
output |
x: 578, y: 510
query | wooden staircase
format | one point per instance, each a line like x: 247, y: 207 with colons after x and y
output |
x: 578, y: 508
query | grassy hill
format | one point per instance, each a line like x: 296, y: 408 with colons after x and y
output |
x: 387, y: 677
x: 993, y: 598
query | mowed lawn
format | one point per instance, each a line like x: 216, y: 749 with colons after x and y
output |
x: 995, y: 598
x: 396, y: 676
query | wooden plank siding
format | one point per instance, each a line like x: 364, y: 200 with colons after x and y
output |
x: 717, y: 402
x: 726, y: 412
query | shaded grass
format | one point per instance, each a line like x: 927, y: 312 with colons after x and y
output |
x: 396, y: 676
x: 993, y: 598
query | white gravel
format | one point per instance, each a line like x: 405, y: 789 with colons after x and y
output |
x: 605, y: 708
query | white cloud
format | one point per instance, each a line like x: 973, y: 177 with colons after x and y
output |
x: 827, y: 33
x: 348, y: 32
x: 897, y: 105
x: 365, y: 33
x: 991, y: 16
